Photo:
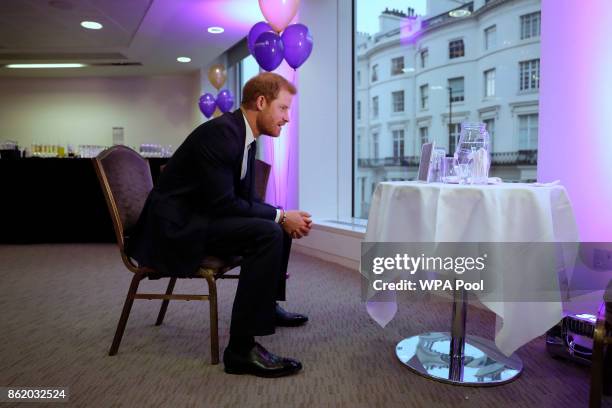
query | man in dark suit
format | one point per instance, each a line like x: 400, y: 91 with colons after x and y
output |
x: 204, y: 203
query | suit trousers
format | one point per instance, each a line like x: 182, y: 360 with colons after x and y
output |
x: 265, y: 249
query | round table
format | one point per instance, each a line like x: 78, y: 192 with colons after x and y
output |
x: 507, y: 212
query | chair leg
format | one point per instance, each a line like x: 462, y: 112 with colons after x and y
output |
x: 597, y: 366
x: 164, y: 306
x: 607, y: 370
x: 127, y: 307
x: 214, y: 328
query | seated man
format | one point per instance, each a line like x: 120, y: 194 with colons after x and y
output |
x: 204, y: 204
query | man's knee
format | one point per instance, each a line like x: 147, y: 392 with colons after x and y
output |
x: 271, y: 229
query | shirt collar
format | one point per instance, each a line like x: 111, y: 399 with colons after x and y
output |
x: 249, y: 132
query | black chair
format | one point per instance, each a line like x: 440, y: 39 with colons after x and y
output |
x: 262, y: 174
x: 125, y: 178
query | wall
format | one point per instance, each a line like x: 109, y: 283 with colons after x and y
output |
x: 325, y: 101
x: 575, y: 144
x: 160, y: 109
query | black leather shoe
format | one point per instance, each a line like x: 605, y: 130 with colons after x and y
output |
x: 259, y: 362
x: 287, y: 319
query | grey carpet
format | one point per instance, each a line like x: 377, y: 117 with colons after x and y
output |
x: 60, y: 305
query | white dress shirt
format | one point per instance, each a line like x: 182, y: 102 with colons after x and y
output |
x: 248, y: 141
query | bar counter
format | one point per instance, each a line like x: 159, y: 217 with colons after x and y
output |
x: 54, y: 200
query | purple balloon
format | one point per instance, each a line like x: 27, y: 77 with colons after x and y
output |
x: 269, y: 51
x: 298, y: 44
x: 255, y: 32
x: 207, y: 104
x: 225, y: 100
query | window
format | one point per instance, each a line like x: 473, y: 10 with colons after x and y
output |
x: 529, y: 75
x: 456, y: 89
x: 455, y: 49
x: 490, y: 38
x: 453, y: 136
x: 528, y: 132
x: 398, y: 144
x: 397, y: 66
x: 398, y: 101
x: 450, y: 71
x: 424, y: 58
x: 424, y: 96
x: 375, y: 145
x: 248, y: 69
x: 530, y: 25
x: 489, y: 82
x: 424, y: 135
x: 375, y: 107
x: 490, y: 126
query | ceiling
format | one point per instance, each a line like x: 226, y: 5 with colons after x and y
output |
x: 152, y: 33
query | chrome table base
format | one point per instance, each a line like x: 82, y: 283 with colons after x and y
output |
x: 447, y: 357
x: 482, y: 364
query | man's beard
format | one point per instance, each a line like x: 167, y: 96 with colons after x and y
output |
x: 267, y: 128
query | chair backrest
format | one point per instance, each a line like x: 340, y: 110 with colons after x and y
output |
x: 125, y: 178
x: 262, y: 174
x: 425, y: 159
x: 608, y: 302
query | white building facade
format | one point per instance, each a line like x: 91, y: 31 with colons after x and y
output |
x: 416, y: 88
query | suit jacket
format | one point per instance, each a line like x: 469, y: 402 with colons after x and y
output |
x: 200, y: 182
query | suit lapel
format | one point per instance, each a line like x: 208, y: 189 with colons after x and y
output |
x: 246, y: 185
x: 238, y: 119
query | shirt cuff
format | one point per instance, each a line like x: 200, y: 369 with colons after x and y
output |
x: 278, y: 215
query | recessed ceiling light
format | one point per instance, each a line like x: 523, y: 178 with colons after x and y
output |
x: 459, y: 13
x: 183, y: 59
x: 92, y: 25
x: 215, y: 30
x: 45, y: 65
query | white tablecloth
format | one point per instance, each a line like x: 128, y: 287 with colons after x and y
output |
x: 510, y: 212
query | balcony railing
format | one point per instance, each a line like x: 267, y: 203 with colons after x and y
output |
x: 407, y: 161
x: 525, y: 157
x: 521, y: 157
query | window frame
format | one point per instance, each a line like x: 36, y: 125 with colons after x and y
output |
x: 424, y: 57
x: 452, y: 99
x: 402, y: 101
x: 453, y: 136
x: 490, y: 32
x: 424, y: 97
x: 532, y: 67
x: 529, y: 24
x: 421, y: 128
x: 399, y: 143
x: 529, y: 143
x: 460, y: 51
x: 375, y: 107
x: 395, y: 72
x: 489, y: 91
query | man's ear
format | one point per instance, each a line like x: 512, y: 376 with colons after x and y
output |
x: 261, y: 102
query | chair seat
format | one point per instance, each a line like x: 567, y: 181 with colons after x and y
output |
x: 221, y: 265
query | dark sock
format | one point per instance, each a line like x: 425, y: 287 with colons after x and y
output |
x: 241, y: 344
